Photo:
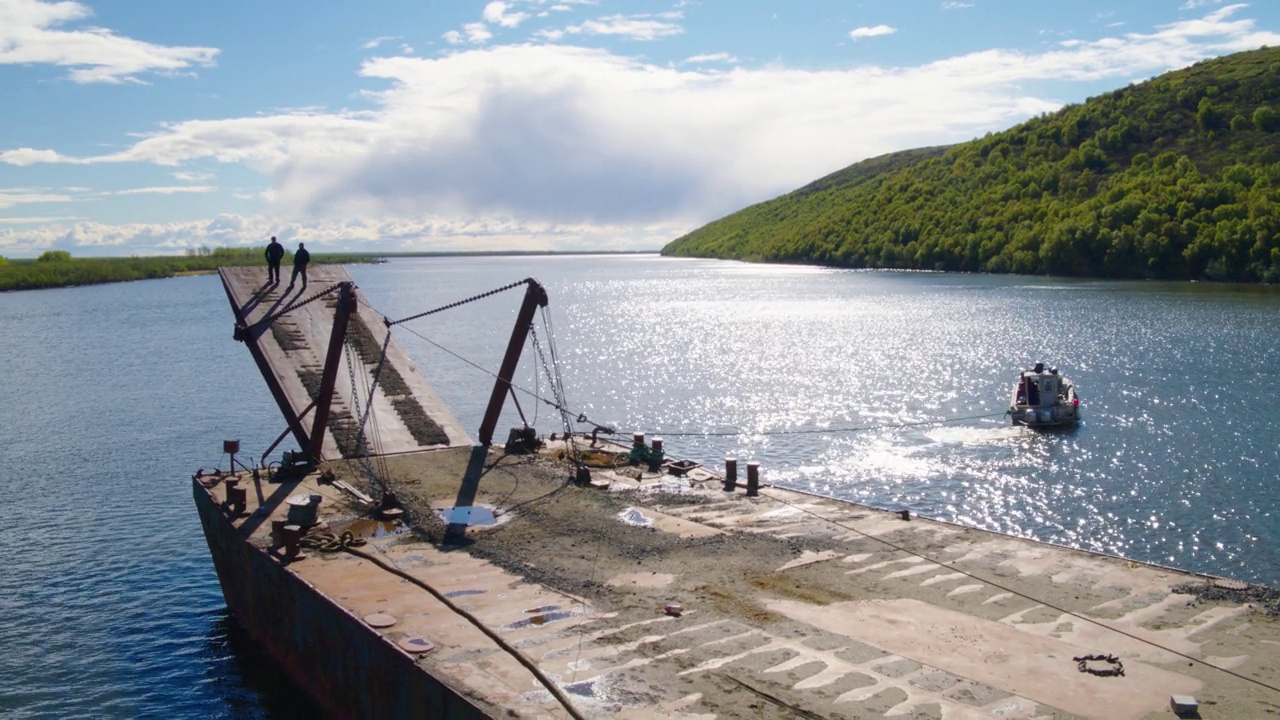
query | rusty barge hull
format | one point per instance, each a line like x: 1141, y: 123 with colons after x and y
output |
x: 334, y: 657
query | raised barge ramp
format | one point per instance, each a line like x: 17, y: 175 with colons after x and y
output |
x: 639, y: 593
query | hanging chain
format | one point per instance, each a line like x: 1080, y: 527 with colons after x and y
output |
x: 362, y: 445
x: 557, y: 388
x: 450, y: 306
x: 241, y: 331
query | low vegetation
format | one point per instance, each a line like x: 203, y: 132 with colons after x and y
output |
x: 57, y: 268
x: 1177, y: 177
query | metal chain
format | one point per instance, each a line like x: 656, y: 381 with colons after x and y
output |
x: 297, y: 304
x: 442, y: 308
x: 362, y: 444
x: 377, y: 374
x: 559, y: 382
x: 557, y: 390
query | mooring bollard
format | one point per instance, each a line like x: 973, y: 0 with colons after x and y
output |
x: 637, y: 437
x: 237, y: 498
x: 753, y: 479
x: 730, y: 474
x: 292, y: 535
x: 277, y: 532
x: 657, y: 444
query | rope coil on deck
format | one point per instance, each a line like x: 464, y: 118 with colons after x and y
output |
x: 330, y: 542
x: 1116, y: 669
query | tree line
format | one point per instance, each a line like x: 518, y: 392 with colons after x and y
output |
x: 57, y: 268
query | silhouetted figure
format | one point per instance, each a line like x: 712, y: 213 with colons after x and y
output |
x: 300, y: 260
x: 275, y: 251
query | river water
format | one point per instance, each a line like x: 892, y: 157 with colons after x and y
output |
x: 834, y: 381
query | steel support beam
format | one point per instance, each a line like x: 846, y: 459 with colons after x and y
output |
x: 535, y: 296
x: 341, y: 314
x: 250, y: 340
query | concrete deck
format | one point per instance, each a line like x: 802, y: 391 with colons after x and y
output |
x: 790, y: 605
x: 643, y: 595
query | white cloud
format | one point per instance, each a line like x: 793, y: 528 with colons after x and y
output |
x: 27, y: 156
x: 27, y: 196
x: 497, y: 13
x: 638, y: 27
x: 956, y: 5
x: 562, y: 142
x: 187, y: 176
x: 30, y: 34
x: 1197, y: 4
x: 721, y: 57
x: 352, y: 234
x: 873, y: 31
x: 164, y: 190
x: 34, y: 220
x: 375, y: 42
x: 477, y: 32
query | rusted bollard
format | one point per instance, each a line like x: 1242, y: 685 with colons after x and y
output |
x: 277, y: 532
x: 237, y: 498
x: 730, y: 474
x: 291, y: 535
x: 637, y: 437
x: 657, y: 444
x: 753, y: 479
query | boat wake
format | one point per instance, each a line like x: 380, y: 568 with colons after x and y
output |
x: 974, y: 435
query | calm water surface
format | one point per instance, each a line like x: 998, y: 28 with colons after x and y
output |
x: 115, y: 394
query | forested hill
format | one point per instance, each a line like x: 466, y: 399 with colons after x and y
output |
x: 1177, y: 177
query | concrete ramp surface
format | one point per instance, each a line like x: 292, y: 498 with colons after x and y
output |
x: 288, y: 333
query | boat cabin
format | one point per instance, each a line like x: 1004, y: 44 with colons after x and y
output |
x: 1039, y: 387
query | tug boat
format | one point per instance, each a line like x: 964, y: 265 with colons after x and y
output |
x: 1044, y: 399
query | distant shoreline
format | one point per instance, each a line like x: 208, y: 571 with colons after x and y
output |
x: 60, y: 270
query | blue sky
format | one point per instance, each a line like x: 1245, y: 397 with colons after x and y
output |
x: 153, y: 126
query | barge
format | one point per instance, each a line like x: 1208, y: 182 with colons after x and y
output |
x: 569, y: 576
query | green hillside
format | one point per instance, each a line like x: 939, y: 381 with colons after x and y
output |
x: 1177, y: 177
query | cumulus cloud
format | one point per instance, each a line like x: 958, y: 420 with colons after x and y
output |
x: 26, y: 196
x: 31, y: 32
x: 333, y: 234
x: 375, y: 42
x: 476, y: 33
x: 634, y: 27
x: 956, y: 5
x: 499, y: 13
x: 721, y: 57
x: 559, y: 140
x: 187, y: 176
x: 873, y: 31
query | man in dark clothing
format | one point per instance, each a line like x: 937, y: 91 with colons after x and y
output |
x: 275, y: 251
x: 300, y: 260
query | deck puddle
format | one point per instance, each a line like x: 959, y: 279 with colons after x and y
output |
x: 468, y: 515
x: 632, y: 516
x: 374, y: 529
x: 542, y: 619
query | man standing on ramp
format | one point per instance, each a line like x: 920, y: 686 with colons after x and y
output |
x: 275, y: 251
x: 300, y: 260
